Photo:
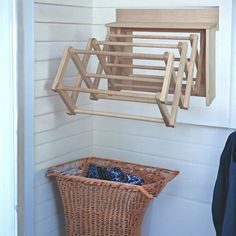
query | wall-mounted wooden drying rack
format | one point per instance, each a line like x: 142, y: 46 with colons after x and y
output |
x: 177, y: 62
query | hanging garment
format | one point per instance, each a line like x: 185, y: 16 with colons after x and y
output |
x: 224, y: 195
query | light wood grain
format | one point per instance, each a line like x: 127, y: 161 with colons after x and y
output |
x: 189, y: 85
x: 128, y: 44
x: 141, y: 36
x: 121, y: 54
x: 167, y: 78
x: 178, y: 85
x: 61, y: 69
x: 119, y: 115
x: 201, y: 16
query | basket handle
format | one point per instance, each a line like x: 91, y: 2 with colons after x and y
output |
x: 145, y: 192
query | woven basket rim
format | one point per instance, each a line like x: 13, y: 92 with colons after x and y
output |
x: 115, y: 160
x: 100, y: 182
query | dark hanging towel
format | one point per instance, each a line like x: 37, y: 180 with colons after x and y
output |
x: 224, y: 195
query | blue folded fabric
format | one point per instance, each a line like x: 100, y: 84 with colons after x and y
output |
x: 113, y: 174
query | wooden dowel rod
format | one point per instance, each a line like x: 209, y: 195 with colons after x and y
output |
x: 152, y: 45
x: 119, y: 115
x: 178, y: 59
x: 120, y: 54
x: 145, y: 67
x: 102, y: 96
x: 150, y: 36
x: 155, y: 88
x: 127, y: 78
x: 109, y: 92
x: 135, y: 77
x: 127, y: 99
x: 145, y: 56
x: 154, y: 77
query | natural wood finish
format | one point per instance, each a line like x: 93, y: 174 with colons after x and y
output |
x: 128, y: 78
x: 68, y: 101
x: 165, y: 25
x: 101, y: 59
x: 178, y: 84
x: 119, y: 115
x: 99, y: 68
x: 78, y: 82
x: 141, y: 36
x: 127, y: 99
x: 121, y: 54
x: 172, y: 72
x: 61, y: 69
x: 81, y: 69
x: 164, y: 112
x: 144, y: 67
x: 210, y: 66
x: 168, y: 75
x: 123, y: 44
x: 201, y: 16
x: 189, y: 85
x: 109, y: 92
x: 200, y: 63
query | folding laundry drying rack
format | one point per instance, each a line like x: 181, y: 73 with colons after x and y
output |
x: 184, y: 68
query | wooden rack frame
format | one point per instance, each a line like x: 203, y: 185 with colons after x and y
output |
x: 181, y: 67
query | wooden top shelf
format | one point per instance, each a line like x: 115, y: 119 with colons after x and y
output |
x: 182, y: 19
x: 163, y: 25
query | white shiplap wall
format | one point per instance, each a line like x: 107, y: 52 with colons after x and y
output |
x: 184, y: 207
x: 58, y: 137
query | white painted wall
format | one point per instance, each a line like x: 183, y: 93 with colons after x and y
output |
x: 58, y: 137
x: 184, y: 207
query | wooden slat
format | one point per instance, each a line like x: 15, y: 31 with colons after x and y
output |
x: 144, y: 67
x: 109, y: 92
x: 128, y: 78
x: 81, y: 69
x: 116, y: 60
x: 142, y: 100
x: 119, y: 115
x: 210, y: 66
x: 164, y: 112
x: 99, y: 68
x: 152, y: 45
x: 153, y: 77
x: 127, y: 99
x: 78, y: 82
x: 178, y: 85
x: 120, y: 54
x: 67, y: 100
x: 201, y: 77
x: 102, y: 59
x: 153, y: 88
x: 141, y: 36
x: 144, y: 56
x: 189, y: 84
x: 61, y: 69
x: 167, y: 77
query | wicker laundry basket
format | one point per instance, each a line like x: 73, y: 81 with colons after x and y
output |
x: 94, y: 207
